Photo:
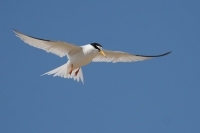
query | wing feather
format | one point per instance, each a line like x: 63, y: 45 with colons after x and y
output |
x: 56, y: 47
x: 118, y: 56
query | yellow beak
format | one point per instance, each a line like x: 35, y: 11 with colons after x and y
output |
x: 102, y: 53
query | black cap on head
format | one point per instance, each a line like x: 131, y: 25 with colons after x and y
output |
x: 96, y: 45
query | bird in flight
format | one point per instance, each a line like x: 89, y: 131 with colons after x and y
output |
x: 79, y: 56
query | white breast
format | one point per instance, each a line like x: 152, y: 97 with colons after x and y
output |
x: 83, y: 57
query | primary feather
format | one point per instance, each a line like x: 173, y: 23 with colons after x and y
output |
x: 56, y: 47
x: 118, y: 56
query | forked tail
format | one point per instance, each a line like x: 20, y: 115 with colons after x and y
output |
x: 63, y: 71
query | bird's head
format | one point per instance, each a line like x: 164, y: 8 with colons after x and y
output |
x: 98, y: 47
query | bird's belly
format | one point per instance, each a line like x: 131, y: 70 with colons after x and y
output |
x: 81, y: 59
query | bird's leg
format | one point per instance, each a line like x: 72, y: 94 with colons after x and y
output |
x: 70, y: 72
x: 77, y: 71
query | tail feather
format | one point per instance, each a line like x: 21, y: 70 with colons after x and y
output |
x: 63, y: 71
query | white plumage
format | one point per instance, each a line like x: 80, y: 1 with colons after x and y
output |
x: 79, y: 56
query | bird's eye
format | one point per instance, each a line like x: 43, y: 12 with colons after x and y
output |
x: 99, y: 48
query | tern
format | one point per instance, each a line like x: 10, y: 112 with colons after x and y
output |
x: 79, y: 56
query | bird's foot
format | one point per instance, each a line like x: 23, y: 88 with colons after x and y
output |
x: 70, y: 72
x: 76, y: 73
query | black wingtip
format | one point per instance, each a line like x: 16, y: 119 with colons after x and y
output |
x: 14, y: 30
x: 17, y: 32
x: 165, y: 53
x: 156, y: 55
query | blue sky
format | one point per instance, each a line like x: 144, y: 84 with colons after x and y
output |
x: 157, y: 95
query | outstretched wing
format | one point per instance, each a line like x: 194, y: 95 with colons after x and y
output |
x: 117, y: 56
x: 56, y: 47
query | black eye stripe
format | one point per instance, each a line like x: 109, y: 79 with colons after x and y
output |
x: 97, y: 48
x: 96, y: 45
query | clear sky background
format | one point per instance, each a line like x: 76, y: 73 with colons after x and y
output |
x: 160, y: 95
